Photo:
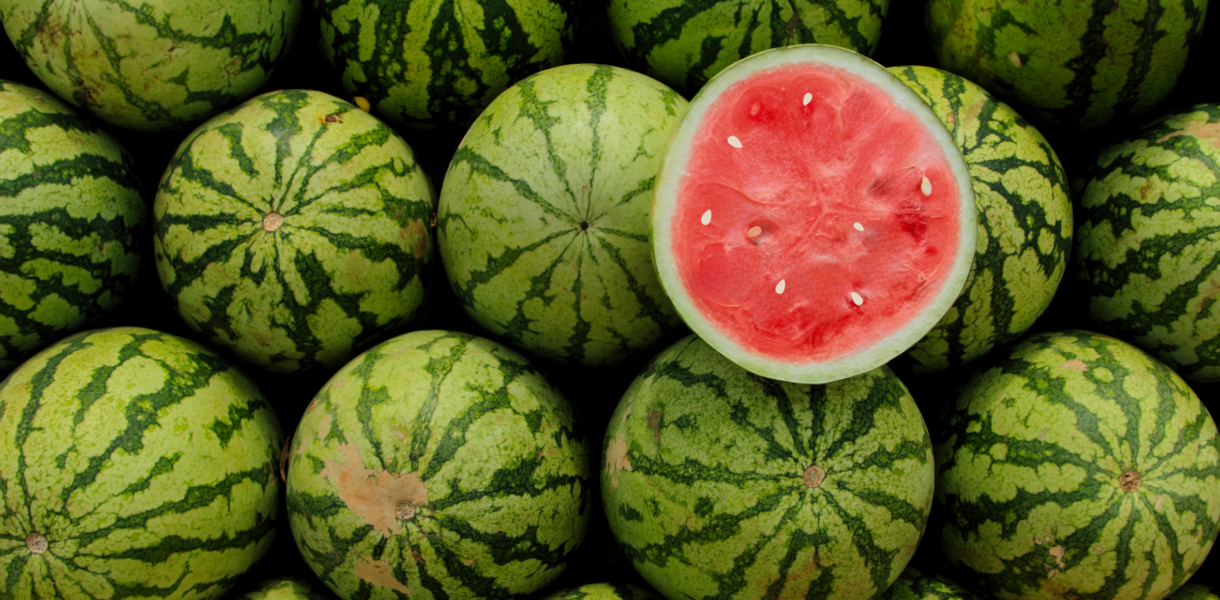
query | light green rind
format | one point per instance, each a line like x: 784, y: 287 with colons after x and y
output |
x: 683, y: 43
x: 1068, y: 63
x: 72, y: 222
x: 438, y: 465
x: 284, y: 588
x: 704, y: 480
x: 146, y: 462
x: 1148, y: 247
x: 1031, y: 474
x: 1024, y: 222
x: 347, y: 264
x: 543, y: 220
x: 152, y: 66
x: 428, y: 64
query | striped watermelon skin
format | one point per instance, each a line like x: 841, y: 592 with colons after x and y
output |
x: 293, y: 230
x: 1077, y: 466
x: 683, y: 43
x: 1077, y: 65
x: 438, y: 465
x: 603, y: 591
x: 137, y: 465
x: 1148, y: 248
x: 543, y: 219
x: 1194, y: 591
x: 284, y: 588
x: 719, y: 483
x: 152, y: 66
x: 72, y: 223
x: 913, y: 584
x: 1025, y: 222
x: 426, y: 65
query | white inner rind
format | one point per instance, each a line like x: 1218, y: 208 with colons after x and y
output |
x: 674, y: 171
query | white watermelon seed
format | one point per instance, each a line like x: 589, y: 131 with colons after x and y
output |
x: 925, y: 186
x: 779, y: 288
x: 858, y: 226
x: 707, y: 217
x: 857, y: 298
x: 734, y: 142
x: 754, y: 232
x: 808, y: 98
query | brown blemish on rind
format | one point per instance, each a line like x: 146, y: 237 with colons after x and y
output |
x: 36, y: 543
x: 272, y: 221
x: 405, y: 510
x: 417, y: 235
x: 1209, y: 132
x: 654, y: 423
x: 379, y: 573
x: 1075, y: 364
x: 284, y: 452
x: 616, y: 459
x: 1129, y: 481
x: 814, y: 476
x: 374, y: 496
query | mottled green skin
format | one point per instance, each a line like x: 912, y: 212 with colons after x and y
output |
x: 1148, y: 244
x: 543, y: 220
x: 152, y: 66
x: 146, y: 462
x: 1074, y: 64
x: 284, y: 588
x: 1024, y: 222
x: 1192, y: 591
x: 1034, y: 476
x: 470, y: 441
x: 603, y: 591
x: 914, y: 585
x: 428, y: 64
x: 684, y: 43
x: 72, y: 223
x: 346, y: 263
x: 705, y: 480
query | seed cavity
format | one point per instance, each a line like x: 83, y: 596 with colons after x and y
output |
x: 808, y: 99
x: 1129, y: 481
x: 272, y: 221
x: 858, y: 226
x: 857, y: 298
x: 814, y: 476
x: 707, y: 217
x: 1015, y: 59
x: 779, y: 287
x: 925, y: 186
x: 734, y: 142
x: 36, y: 543
x: 405, y: 510
x: 754, y: 232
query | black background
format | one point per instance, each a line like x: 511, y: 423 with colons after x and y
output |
x: 594, y: 393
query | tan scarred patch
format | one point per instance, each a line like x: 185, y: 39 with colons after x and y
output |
x: 1075, y: 364
x: 616, y: 459
x: 654, y: 423
x: 284, y: 452
x: 379, y: 573
x: 1204, y: 132
x: 1056, y: 553
x: 374, y: 496
x: 417, y: 235
x: 324, y: 426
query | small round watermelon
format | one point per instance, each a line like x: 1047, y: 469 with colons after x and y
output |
x: 152, y: 66
x: 72, y: 222
x: 684, y: 43
x: 543, y: 218
x: 424, y: 64
x: 293, y: 231
x: 719, y: 483
x: 913, y: 584
x: 438, y: 465
x: 1077, y: 466
x: 1148, y: 247
x: 135, y: 464
x: 813, y: 218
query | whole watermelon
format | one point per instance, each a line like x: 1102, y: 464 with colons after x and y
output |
x: 152, y: 66
x: 72, y: 223
x: 1078, y: 64
x: 1077, y: 466
x: 543, y: 219
x: 437, y: 64
x: 683, y: 43
x: 293, y: 230
x: 1148, y: 247
x: 136, y: 464
x: 603, y: 591
x: 1024, y: 222
x: 438, y: 465
x: 914, y: 584
x: 719, y: 483
x: 284, y: 588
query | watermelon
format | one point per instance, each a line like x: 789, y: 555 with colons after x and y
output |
x: 1148, y: 248
x: 152, y: 66
x: 813, y: 217
x: 603, y: 591
x: 293, y: 230
x: 1072, y: 64
x: 72, y: 223
x: 137, y: 464
x: 913, y: 584
x: 543, y: 218
x: 1194, y: 591
x: 719, y: 483
x: 1077, y: 466
x: 426, y: 65
x: 284, y: 588
x: 1024, y: 222
x: 438, y: 465
x: 684, y: 43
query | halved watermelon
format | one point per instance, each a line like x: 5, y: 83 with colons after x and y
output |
x: 813, y: 218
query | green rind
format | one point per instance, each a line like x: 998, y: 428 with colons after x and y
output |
x: 504, y: 472
x: 146, y: 462
x: 914, y: 585
x: 1194, y: 591
x: 284, y: 588
x: 603, y: 591
x: 348, y: 264
x: 72, y: 222
x: 1029, y: 475
x: 1024, y: 215
x: 1078, y: 65
x: 543, y: 219
x: 683, y: 43
x: 1148, y: 244
x: 152, y: 67
x: 703, y: 480
x: 438, y: 64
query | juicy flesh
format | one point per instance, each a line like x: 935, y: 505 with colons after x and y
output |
x: 815, y: 216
